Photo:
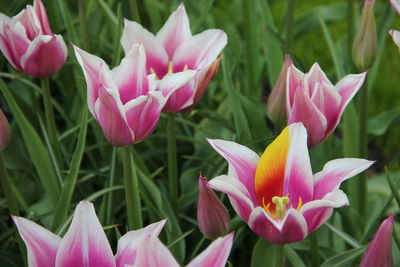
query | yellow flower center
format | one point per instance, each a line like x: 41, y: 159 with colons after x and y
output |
x: 280, y: 206
x: 170, y: 70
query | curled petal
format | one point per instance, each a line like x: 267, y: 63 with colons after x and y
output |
x: 237, y: 192
x: 200, y: 50
x: 41, y: 244
x: 335, y: 172
x: 130, y: 242
x: 306, y: 112
x: 131, y: 76
x: 85, y: 243
x: 91, y: 69
x: 157, y: 57
x: 242, y: 163
x: 153, y: 253
x: 175, y: 31
x: 45, y: 56
x: 292, y: 228
x: 215, y: 254
x: 143, y: 113
x: 347, y: 87
x: 318, y: 212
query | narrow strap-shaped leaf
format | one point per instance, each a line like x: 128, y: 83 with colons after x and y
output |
x: 36, y: 149
x: 344, y: 259
x: 70, y: 180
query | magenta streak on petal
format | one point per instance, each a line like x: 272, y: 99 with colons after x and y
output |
x: 42, y: 16
x: 180, y: 98
x: 17, y: 41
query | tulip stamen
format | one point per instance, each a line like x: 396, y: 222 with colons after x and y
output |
x: 152, y: 71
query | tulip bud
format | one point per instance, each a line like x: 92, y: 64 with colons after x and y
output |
x: 5, y: 131
x: 212, y: 215
x: 379, y: 251
x: 276, y: 103
x: 364, y: 45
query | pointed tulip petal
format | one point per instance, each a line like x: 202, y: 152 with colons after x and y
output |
x: 153, y: 253
x: 179, y: 88
x: 237, y: 192
x: 130, y: 242
x: 347, y: 87
x: 143, y: 113
x: 45, y: 56
x: 335, y: 172
x: 294, y: 80
x: 396, y: 5
x: 298, y: 173
x: 292, y: 228
x: 318, y: 212
x: 215, y: 255
x: 306, y: 112
x: 13, y: 42
x: 396, y: 37
x: 41, y: 244
x: 157, y: 57
x: 42, y: 16
x: 175, y: 31
x: 242, y: 163
x: 131, y: 75
x: 85, y: 243
x: 91, y: 69
x: 109, y: 113
x: 379, y: 251
x: 200, y: 50
x: 316, y: 75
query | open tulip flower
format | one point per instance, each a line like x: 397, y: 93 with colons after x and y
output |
x: 153, y: 253
x: 84, y: 244
x: 313, y: 100
x: 28, y: 43
x: 277, y: 194
x: 175, y: 49
x: 124, y: 100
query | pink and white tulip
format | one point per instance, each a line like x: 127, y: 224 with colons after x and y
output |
x: 153, y: 253
x: 124, y: 100
x: 212, y: 216
x: 379, y: 251
x: 174, y: 49
x: 84, y: 244
x: 28, y: 43
x: 313, y: 100
x: 277, y: 194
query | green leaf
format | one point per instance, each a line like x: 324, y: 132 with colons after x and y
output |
x: 263, y: 254
x: 293, y: 257
x: 379, y: 124
x: 39, y: 155
x: 344, y: 259
x: 68, y: 187
x: 395, y: 193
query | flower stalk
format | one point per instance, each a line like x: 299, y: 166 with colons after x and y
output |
x: 279, y: 256
x: 172, y: 162
x: 131, y: 190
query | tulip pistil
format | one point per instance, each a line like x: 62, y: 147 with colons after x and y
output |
x: 280, y: 206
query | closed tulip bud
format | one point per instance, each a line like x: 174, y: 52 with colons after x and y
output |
x: 5, y: 131
x: 276, y: 104
x: 364, y: 45
x: 379, y: 251
x: 212, y: 215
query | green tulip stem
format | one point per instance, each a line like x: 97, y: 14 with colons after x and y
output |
x: 132, y: 193
x: 279, y: 256
x: 362, y: 200
x: 172, y: 162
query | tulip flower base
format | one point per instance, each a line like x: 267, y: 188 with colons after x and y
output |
x: 97, y: 169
